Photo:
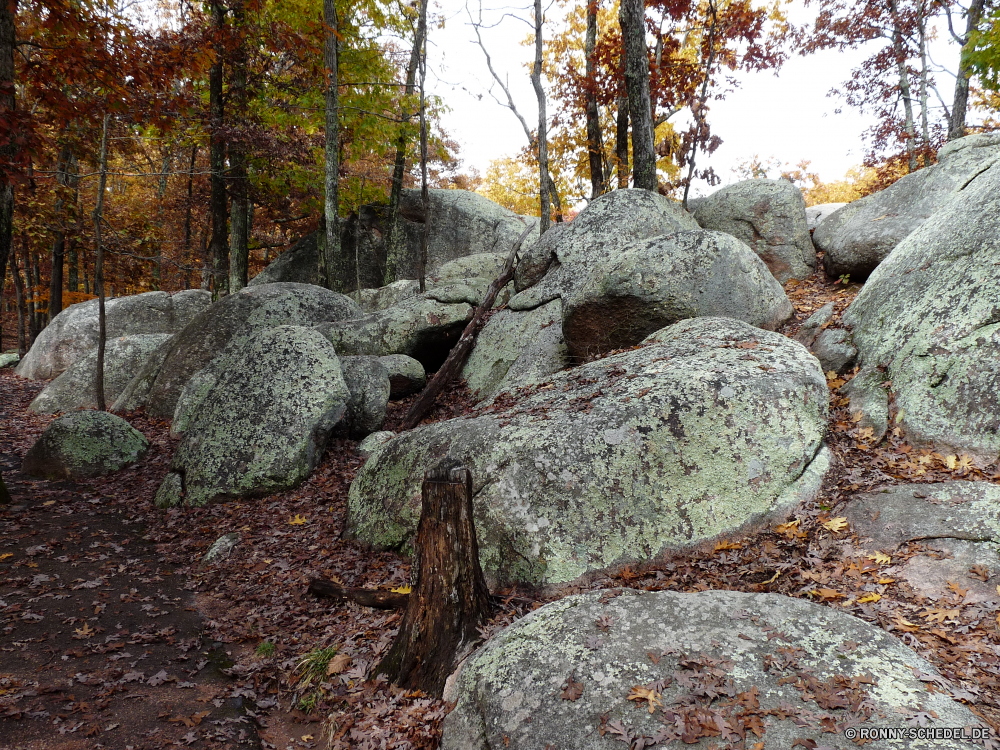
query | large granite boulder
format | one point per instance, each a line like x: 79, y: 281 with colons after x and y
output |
x: 710, y: 669
x: 515, y: 349
x: 223, y: 329
x: 769, y: 216
x: 74, y: 332
x: 264, y: 424
x: 662, y: 280
x: 75, y: 388
x: 861, y: 235
x: 298, y: 264
x: 816, y: 215
x: 711, y: 425
x: 84, y: 444
x: 367, y: 381
x: 421, y: 327
x: 563, y: 259
x: 406, y: 375
x: 928, y: 321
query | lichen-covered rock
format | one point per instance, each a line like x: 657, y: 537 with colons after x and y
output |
x: 662, y: 280
x: 367, y: 381
x: 564, y: 257
x: 784, y: 671
x: 422, y: 328
x: 9, y: 359
x: 957, y: 522
x: 816, y: 215
x: 712, y: 425
x: 377, y: 439
x: 928, y: 322
x: 230, y: 322
x: 74, y: 332
x: 516, y: 348
x: 265, y: 422
x: 406, y: 375
x: 373, y: 300
x: 861, y: 235
x: 769, y: 216
x: 812, y: 325
x: 75, y: 388
x: 298, y: 264
x: 834, y: 350
x: 84, y: 444
x: 480, y: 265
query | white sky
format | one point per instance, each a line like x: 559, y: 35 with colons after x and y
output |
x: 789, y: 117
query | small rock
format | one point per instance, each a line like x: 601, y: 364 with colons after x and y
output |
x: 84, y: 444
x: 221, y: 548
x: 834, y: 350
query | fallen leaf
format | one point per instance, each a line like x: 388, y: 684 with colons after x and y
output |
x: 827, y: 594
x: 85, y: 632
x: 951, y: 461
x: 338, y: 664
x: 867, y: 598
x: 402, y: 589
x: 297, y: 520
x: 939, y: 615
x: 881, y: 558
x: 48, y: 503
x: 725, y: 544
x: 572, y: 690
x: 957, y: 588
x: 6, y: 555
x: 836, y: 525
x: 640, y: 694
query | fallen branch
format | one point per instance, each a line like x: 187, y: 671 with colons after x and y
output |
x: 374, y: 598
x: 460, y: 352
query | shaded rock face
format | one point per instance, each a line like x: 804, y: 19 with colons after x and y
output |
x: 563, y: 259
x: 367, y: 381
x: 264, y: 424
x: 74, y: 332
x: 960, y: 521
x: 660, y: 281
x: 422, y: 328
x: 406, y: 375
x: 713, y: 424
x: 299, y: 264
x: 929, y: 317
x: 223, y: 329
x: 75, y: 388
x: 84, y: 444
x: 515, y: 349
x: 816, y: 215
x: 861, y: 235
x: 769, y: 216
x: 510, y: 692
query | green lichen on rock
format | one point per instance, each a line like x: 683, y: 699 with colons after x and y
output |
x: 928, y: 321
x: 85, y: 444
x: 686, y: 438
x: 265, y: 422
x: 509, y: 692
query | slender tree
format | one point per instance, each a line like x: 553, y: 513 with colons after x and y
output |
x: 219, y: 243
x: 8, y: 10
x: 424, y: 194
x: 543, y: 143
x: 595, y: 143
x: 330, y: 258
x: 631, y: 16
x: 960, y: 103
x: 239, y: 188
x: 99, y: 267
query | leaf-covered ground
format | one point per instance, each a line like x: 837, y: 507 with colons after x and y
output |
x: 78, y: 664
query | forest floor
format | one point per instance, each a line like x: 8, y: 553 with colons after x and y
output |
x: 114, y: 635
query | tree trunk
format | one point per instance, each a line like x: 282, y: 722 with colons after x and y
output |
x: 595, y: 145
x: 239, y: 192
x: 702, y: 103
x: 545, y: 208
x: 190, y: 201
x: 22, y: 310
x: 394, y: 237
x: 925, y: 134
x: 65, y: 167
x: 219, y: 244
x: 424, y: 195
x: 374, y: 598
x: 450, y: 599
x: 631, y: 16
x: 621, y: 142
x: 960, y: 105
x: 4, y: 494
x: 330, y: 258
x: 102, y: 335
x: 904, y: 86
x: 8, y: 103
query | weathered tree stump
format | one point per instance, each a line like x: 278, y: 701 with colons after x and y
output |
x: 450, y: 599
x: 374, y: 598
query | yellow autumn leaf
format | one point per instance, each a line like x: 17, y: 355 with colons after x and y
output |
x: 857, y: 416
x: 906, y: 625
x: 85, y: 632
x: 836, y: 525
x: 951, y: 461
x: 640, y: 694
x: 873, y: 597
x: 402, y: 589
x: 964, y: 462
x: 725, y: 544
x: 881, y: 558
x: 788, y: 529
x: 831, y: 375
x: 5, y: 555
x: 899, y: 416
x: 48, y: 503
x: 866, y: 433
x: 886, y: 580
x: 939, y: 615
x: 298, y: 520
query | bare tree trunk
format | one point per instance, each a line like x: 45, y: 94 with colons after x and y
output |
x: 904, y: 86
x: 219, y: 244
x: 545, y: 209
x: 424, y: 194
x: 239, y: 189
x: 8, y: 104
x: 22, y: 310
x: 960, y: 105
x: 631, y: 16
x: 4, y: 494
x: 330, y: 258
x: 190, y: 201
x: 450, y: 599
x: 99, y: 269
x: 925, y: 134
x: 595, y: 145
x: 702, y: 103
x: 394, y: 238
x: 621, y: 142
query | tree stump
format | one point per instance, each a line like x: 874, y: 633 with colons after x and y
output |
x: 450, y: 599
x: 5, y: 496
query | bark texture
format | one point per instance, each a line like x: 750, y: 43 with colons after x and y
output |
x: 99, y: 268
x: 8, y: 10
x: 544, y: 202
x: 219, y: 244
x: 239, y: 192
x: 331, y: 262
x: 595, y: 145
x: 960, y: 103
x: 374, y: 598
x: 450, y: 599
x: 631, y: 15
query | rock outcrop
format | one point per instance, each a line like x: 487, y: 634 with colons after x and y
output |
x: 710, y: 426
x: 84, y: 444
x: 647, y: 668
x: 265, y: 422
x: 769, y: 216
x: 74, y: 332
